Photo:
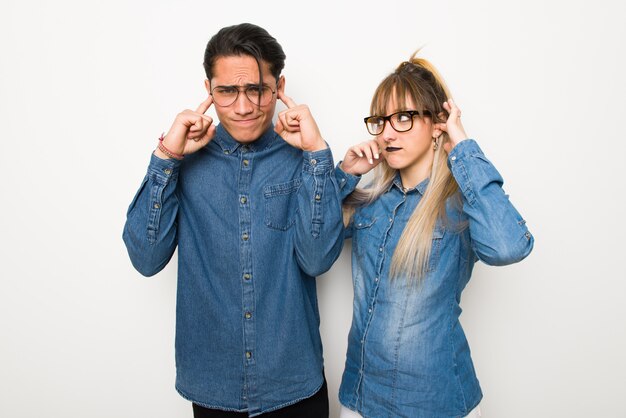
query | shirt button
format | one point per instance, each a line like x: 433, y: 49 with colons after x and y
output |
x: 157, y: 206
x: 453, y: 158
x: 245, y: 237
x: 248, y: 315
x: 318, y: 197
x: 380, y: 249
x: 247, y: 276
x: 313, y: 161
x: 369, y: 310
x: 376, y: 279
x: 248, y: 354
x: 246, y: 162
x: 243, y: 200
x: 226, y: 152
x: 390, y: 220
x: 167, y: 171
x: 527, y: 235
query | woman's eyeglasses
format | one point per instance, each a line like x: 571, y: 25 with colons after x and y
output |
x: 400, y: 121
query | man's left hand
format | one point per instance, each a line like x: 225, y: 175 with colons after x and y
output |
x: 297, y: 126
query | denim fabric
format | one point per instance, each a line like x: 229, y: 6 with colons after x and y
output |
x: 407, y: 352
x: 254, y: 224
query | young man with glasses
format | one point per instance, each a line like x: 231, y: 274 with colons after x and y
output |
x: 255, y: 213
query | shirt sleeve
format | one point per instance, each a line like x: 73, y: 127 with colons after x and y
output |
x: 319, y: 227
x: 498, y: 232
x: 150, y: 229
x: 347, y: 183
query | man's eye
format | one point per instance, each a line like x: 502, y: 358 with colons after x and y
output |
x: 226, y: 90
x: 254, y: 90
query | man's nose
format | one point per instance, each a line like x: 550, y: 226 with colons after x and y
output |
x: 243, y: 105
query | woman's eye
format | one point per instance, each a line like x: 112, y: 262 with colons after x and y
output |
x: 403, y: 117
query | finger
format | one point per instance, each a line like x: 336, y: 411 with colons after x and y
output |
x: 367, y: 150
x: 204, y: 106
x: 454, y: 109
x: 293, y: 119
x: 356, y: 150
x: 286, y: 100
x: 374, y: 147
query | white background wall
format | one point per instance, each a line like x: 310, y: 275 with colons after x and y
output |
x: 86, y: 87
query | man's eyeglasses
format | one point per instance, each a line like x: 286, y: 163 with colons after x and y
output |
x: 227, y: 95
x: 400, y: 121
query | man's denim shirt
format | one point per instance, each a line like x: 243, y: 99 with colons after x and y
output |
x: 254, y: 224
x: 407, y: 353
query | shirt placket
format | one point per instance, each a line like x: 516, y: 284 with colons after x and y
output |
x: 380, y: 262
x: 247, y: 276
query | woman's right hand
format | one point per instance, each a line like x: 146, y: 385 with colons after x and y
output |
x: 361, y: 158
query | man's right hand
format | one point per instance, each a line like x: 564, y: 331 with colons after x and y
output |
x: 190, y: 131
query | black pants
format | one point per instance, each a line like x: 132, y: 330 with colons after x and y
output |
x: 314, y: 407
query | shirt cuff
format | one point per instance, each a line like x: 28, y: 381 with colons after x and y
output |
x: 347, y: 182
x: 163, y: 170
x: 462, y: 150
x: 318, y: 162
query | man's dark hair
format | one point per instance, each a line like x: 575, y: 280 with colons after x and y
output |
x: 245, y: 39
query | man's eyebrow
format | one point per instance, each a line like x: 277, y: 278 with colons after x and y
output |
x: 245, y: 85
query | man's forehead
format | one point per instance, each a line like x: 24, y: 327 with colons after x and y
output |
x: 240, y: 70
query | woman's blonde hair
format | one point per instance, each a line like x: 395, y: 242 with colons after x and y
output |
x: 419, y: 82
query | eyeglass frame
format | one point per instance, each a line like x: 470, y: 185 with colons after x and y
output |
x: 387, y: 118
x: 245, y: 88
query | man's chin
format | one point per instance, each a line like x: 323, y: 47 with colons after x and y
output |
x: 245, y: 136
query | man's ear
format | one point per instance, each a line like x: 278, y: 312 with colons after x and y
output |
x: 281, y: 84
x: 207, y: 85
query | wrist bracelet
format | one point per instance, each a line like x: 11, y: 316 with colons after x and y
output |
x: 167, y: 152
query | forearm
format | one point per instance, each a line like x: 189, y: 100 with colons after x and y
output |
x: 319, y: 227
x: 498, y: 232
x: 150, y: 228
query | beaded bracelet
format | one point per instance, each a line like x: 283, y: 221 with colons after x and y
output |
x: 167, y: 152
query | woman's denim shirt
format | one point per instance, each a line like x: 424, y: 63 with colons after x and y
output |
x: 407, y: 352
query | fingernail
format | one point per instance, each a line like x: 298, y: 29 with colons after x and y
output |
x: 371, y: 161
x: 376, y: 156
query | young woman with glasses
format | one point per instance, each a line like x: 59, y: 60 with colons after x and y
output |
x: 434, y: 207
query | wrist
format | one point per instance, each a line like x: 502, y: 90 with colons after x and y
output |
x: 165, y: 150
x: 318, y: 146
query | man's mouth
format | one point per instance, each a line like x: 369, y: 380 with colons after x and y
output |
x: 246, y: 121
x: 392, y: 149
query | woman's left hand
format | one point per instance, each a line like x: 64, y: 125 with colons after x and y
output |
x: 453, y: 125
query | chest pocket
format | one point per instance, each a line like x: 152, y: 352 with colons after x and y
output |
x: 435, y: 249
x: 281, y: 206
x: 363, y: 235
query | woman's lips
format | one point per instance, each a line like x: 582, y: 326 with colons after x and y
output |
x: 392, y: 149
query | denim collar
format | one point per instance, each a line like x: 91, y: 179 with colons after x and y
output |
x: 229, y: 145
x: 420, y: 188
